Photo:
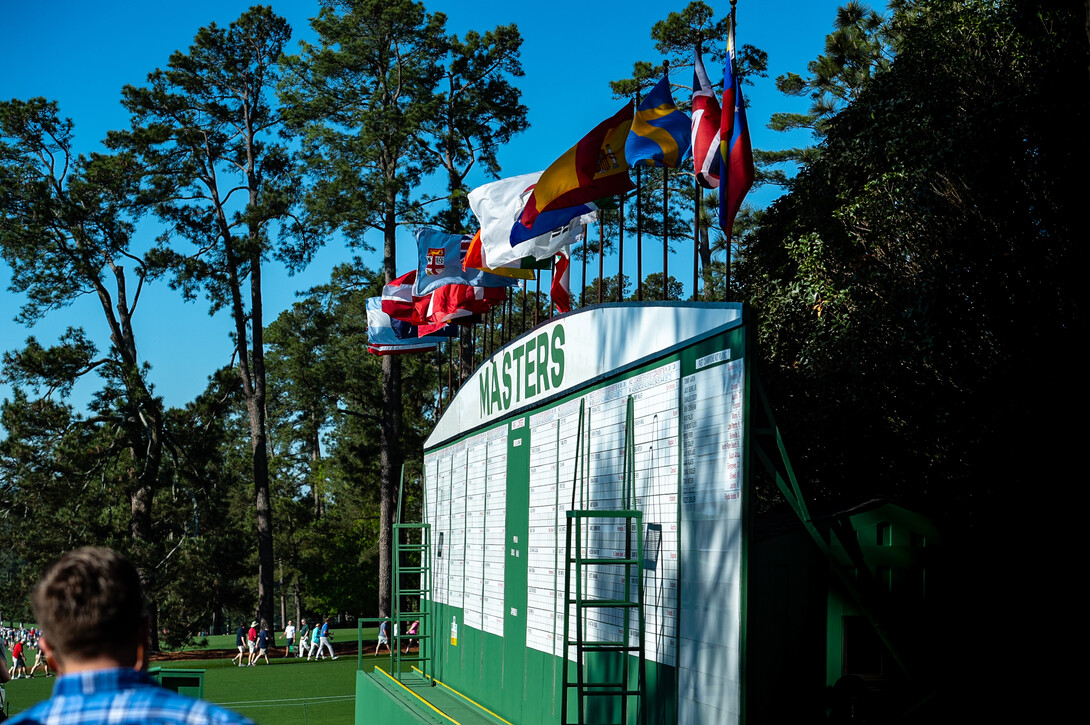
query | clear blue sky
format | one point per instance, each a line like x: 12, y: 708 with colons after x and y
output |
x: 81, y: 53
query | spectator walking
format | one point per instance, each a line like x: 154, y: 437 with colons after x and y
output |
x: 314, y: 648
x: 251, y: 642
x: 323, y: 639
x: 40, y: 661
x: 382, y: 638
x: 289, y: 638
x: 413, y: 629
x: 263, y: 644
x: 304, y: 638
x: 240, y: 643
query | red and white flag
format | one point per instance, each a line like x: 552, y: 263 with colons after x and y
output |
x: 561, y: 286
x: 706, y: 127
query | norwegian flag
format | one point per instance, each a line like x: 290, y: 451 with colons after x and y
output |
x: 561, y: 285
x: 706, y: 127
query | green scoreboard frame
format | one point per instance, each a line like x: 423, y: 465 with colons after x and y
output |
x: 500, y: 472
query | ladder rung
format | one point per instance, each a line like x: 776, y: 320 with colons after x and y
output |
x: 591, y: 603
x: 606, y: 647
x: 583, y: 562
x: 606, y: 693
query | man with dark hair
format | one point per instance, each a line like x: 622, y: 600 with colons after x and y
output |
x: 95, y: 634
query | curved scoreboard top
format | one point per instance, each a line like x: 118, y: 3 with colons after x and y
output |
x: 574, y: 350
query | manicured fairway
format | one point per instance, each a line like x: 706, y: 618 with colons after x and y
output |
x: 286, y: 692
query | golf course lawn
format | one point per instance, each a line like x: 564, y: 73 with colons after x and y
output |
x: 285, y: 692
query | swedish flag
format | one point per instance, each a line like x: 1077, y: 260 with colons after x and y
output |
x: 661, y: 133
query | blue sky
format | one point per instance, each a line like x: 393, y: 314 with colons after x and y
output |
x: 81, y: 53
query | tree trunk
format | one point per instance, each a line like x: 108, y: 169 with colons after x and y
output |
x: 390, y: 458
x: 255, y: 405
x: 315, y: 444
x: 298, y: 599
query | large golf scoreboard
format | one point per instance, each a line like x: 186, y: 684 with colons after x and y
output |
x: 540, y: 429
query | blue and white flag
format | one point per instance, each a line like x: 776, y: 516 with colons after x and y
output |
x: 440, y: 263
x: 383, y: 338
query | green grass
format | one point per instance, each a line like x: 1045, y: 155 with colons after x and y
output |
x: 287, y: 692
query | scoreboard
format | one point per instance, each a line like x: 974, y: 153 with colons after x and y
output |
x: 500, y: 473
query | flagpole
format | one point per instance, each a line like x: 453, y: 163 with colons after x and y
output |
x: 725, y: 171
x: 696, y: 232
x: 537, y: 292
x: 601, y: 246
x: 450, y: 365
x: 586, y: 242
x: 620, y: 246
x: 665, y: 192
x: 665, y: 230
x: 639, y: 221
x: 552, y: 280
x: 439, y: 379
x: 507, y: 303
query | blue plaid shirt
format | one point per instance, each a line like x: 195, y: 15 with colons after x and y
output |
x: 119, y: 697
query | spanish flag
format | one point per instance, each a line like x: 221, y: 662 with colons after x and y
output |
x: 592, y: 169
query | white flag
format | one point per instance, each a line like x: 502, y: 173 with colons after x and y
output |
x: 498, y: 206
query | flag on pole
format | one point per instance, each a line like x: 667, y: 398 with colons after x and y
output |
x: 397, y: 297
x: 382, y: 339
x: 661, y: 133
x: 735, y: 151
x: 475, y: 260
x: 440, y: 258
x: 705, y: 129
x: 452, y: 302
x: 560, y: 289
x: 504, y: 241
x: 592, y: 169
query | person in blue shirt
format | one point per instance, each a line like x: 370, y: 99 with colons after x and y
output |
x: 382, y: 639
x: 323, y: 639
x: 240, y: 643
x: 315, y: 634
x: 90, y: 606
x: 263, y: 643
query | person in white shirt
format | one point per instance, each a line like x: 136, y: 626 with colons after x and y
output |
x: 289, y: 635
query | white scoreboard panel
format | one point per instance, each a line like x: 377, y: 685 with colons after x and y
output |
x: 688, y: 429
x: 553, y: 436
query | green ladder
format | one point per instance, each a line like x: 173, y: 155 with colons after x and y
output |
x: 617, y: 685
x: 412, y: 579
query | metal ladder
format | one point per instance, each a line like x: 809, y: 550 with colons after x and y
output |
x: 411, y: 580
x: 629, y: 567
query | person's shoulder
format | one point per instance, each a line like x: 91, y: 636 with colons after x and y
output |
x: 33, y: 715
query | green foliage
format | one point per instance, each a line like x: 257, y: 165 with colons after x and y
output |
x: 480, y: 110
x: 925, y: 260
x: 861, y: 46
x: 361, y: 99
x: 205, y: 130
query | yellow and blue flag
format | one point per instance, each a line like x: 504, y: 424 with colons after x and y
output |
x: 661, y: 133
